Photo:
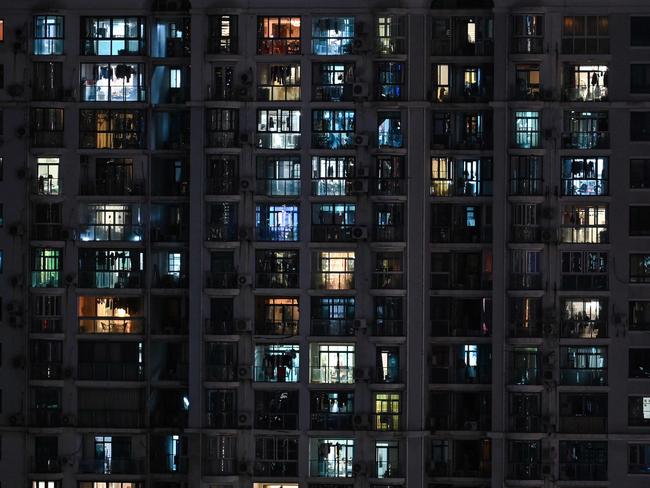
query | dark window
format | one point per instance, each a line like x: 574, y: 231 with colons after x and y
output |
x: 639, y: 363
x: 640, y: 31
x: 639, y: 221
x: 640, y: 78
x: 639, y: 268
x: 585, y: 35
x: 640, y: 126
x: 223, y: 34
x: 640, y: 173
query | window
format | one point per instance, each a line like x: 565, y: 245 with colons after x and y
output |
x: 390, y: 171
x: 639, y: 126
x: 332, y: 82
x: 525, y: 366
x: 583, y: 366
x: 330, y: 176
x: 2, y: 76
x: 388, y: 222
x: 112, y: 82
x: 525, y: 269
x: 387, y: 410
x: 639, y: 315
x: 584, y: 224
x: 639, y: 268
x: 639, y: 363
x: 332, y: 35
x: 222, y: 222
x: 276, y: 222
x: 333, y: 270
x: 527, y: 82
x: 222, y: 125
x: 461, y: 223
x: 526, y: 131
x: 223, y: 84
x: 114, y: 268
x: 461, y: 270
x: 585, y: 35
x: 278, y: 129
x: 278, y: 82
x: 389, y: 130
x: 391, y: 35
x: 441, y: 77
x: 583, y: 460
x: 526, y: 175
x: 528, y: 34
x: 112, y: 129
x: 585, y: 130
x: 332, y: 316
x: 585, y: 176
x: 331, y: 458
x: 222, y: 175
x: 276, y: 269
x: 101, y: 314
x: 640, y: 31
x: 332, y: 222
x: 111, y: 222
x: 278, y: 35
x: 277, y: 363
x: 47, y: 82
x: 277, y: 315
x: 2, y: 30
x: 390, y: 80
x: 220, y: 358
x: 583, y: 318
x: 588, y: 83
x: 638, y: 408
x: 112, y: 36
x: 640, y: 78
x: 457, y: 177
x: 46, y: 268
x: 333, y: 129
x: 222, y: 34
x: 584, y: 270
x: 331, y: 410
x: 48, y: 180
x: 331, y: 363
x: 48, y: 35
x: 47, y: 127
x: 639, y: 173
x: 276, y: 456
x: 639, y: 458
x: 278, y: 176
x: 639, y: 220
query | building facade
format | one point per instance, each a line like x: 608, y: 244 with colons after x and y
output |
x: 282, y: 244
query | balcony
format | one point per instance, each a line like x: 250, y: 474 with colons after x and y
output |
x: 217, y: 372
x: 47, y: 325
x: 47, y: 186
x: 332, y: 233
x: 458, y: 327
x: 387, y: 469
x: 45, y: 464
x: 524, y: 471
x: 277, y: 233
x: 526, y: 281
x: 170, y: 280
x: 389, y: 187
x: 583, y: 377
x: 46, y: 417
x: 101, y: 232
x: 585, y: 140
x: 112, y: 187
x: 585, y: 93
x: 276, y: 468
x: 170, y: 464
x: 219, y: 467
x: 111, y: 279
x: 526, y: 329
x: 332, y: 374
x: 276, y: 374
x: 111, y: 418
x: 110, y: 371
x: 584, y: 329
x: 46, y: 279
x: 525, y: 376
x: 220, y: 326
x: 528, y: 423
x: 45, y: 370
x: 461, y: 375
x: 277, y: 280
x: 583, y: 471
x: 387, y: 280
x: 169, y: 233
x: 526, y: 233
x: 583, y: 424
x: 333, y: 280
x: 327, y: 468
x: 469, y: 281
x: 47, y: 232
x: 112, y: 466
x: 222, y: 232
x: 461, y: 234
x: 276, y: 327
x: 584, y: 282
x: 111, y: 325
x: 388, y: 233
x: 276, y: 420
x: 385, y: 422
x: 221, y: 185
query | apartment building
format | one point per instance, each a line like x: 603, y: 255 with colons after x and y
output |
x: 273, y: 243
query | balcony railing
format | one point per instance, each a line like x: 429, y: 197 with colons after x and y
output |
x: 221, y: 232
x: 175, y: 279
x: 332, y: 374
x: 388, y: 328
x: 333, y: 280
x: 326, y: 468
x: 449, y: 328
x: 388, y: 233
x: 385, y: 421
x: 111, y: 325
x: 525, y: 233
x: 581, y: 424
x: 221, y: 186
x: 332, y: 233
x: 387, y: 469
x: 469, y: 235
x: 331, y: 421
x: 276, y: 374
x: 221, y: 420
x: 46, y: 417
x: 524, y: 471
x: 276, y: 468
x: 47, y: 325
x: 585, y: 140
x: 218, y: 467
x: 112, y: 187
x: 586, y: 93
x: 584, y: 329
x: 112, y: 466
x: 47, y: 232
x: 276, y: 280
x: 583, y: 377
x: 583, y: 471
x: 461, y: 375
x: 221, y: 279
x: 520, y: 423
x: 532, y: 329
x: 276, y: 327
x: 170, y: 464
x: 277, y: 233
x: 584, y: 282
x: 470, y: 281
x: 172, y: 233
x: 276, y: 420
x: 219, y: 326
x: 389, y: 186
x: 45, y: 464
x: 525, y: 376
x: 388, y: 280
x: 526, y: 281
x: 46, y: 370
x: 110, y: 371
x: 111, y: 279
x: 112, y: 232
x: 332, y: 327
x: 217, y: 372
x: 111, y: 418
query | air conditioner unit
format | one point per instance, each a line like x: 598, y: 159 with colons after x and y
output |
x: 243, y: 372
x: 246, y: 78
x: 17, y: 229
x: 245, y: 234
x: 360, y: 324
x: 242, y: 325
x: 359, y: 232
x: 360, y: 140
x: 359, y: 421
x: 67, y: 234
x: 470, y: 425
x: 244, y: 280
x: 548, y: 236
x: 359, y: 186
x: 67, y: 419
x: 361, y: 374
x: 244, y: 421
x: 246, y: 138
x: 17, y: 419
x: 243, y: 467
x: 360, y: 90
x: 358, y: 469
x: 245, y: 184
x: 243, y: 93
x: 360, y: 44
x: 362, y: 172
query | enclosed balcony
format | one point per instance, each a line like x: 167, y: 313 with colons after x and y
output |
x: 114, y: 268
x: 276, y: 315
x: 276, y: 410
x: 461, y: 364
x: 110, y: 361
x: 171, y: 130
x: 112, y: 176
x: 461, y: 271
x: 332, y: 410
x: 169, y: 222
x: 277, y: 363
x: 170, y: 85
x: 461, y: 223
x: 583, y: 413
x: 110, y: 315
x: 111, y: 222
x: 460, y: 411
x: 460, y: 317
x: 586, y: 83
x: 462, y: 36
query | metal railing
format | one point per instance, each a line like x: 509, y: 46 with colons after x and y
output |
x: 110, y: 371
x: 111, y: 325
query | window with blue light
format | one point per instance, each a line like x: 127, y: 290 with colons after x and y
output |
x: 48, y: 35
x: 276, y: 222
x: 389, y: 130
x: 585, y: 176
x: 333, y: 129
x: 332, y: 36
x: 391, y: 77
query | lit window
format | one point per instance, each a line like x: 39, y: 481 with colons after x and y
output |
x: 333, y: 270
x: 584, y: 224
x: 527, y: 34
x: 278, y: 35
x: 116, y: 36
x: 526, y: 134
x: 175, y: 78
x: 278, y: 129
x: 47, y: 176
x: 391, y: 35
x: 585, y: 176
x: 2, y: 30
x: 223, y: 34
x: 112, y: 82
x: 332, y: 35
x: 585, y: 35
x: 112, y: 129
x: 48, y: 34
x: 278, y: 82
